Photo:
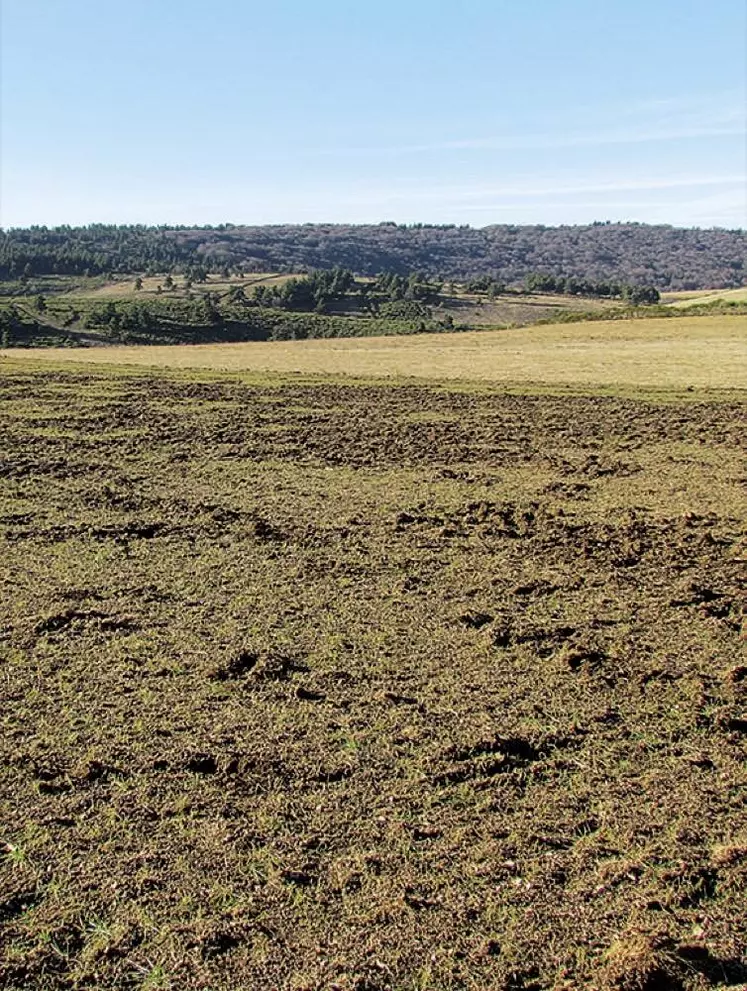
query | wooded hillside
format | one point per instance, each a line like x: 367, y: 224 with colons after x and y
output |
x: 669, y: 258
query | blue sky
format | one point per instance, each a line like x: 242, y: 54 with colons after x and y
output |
x: 475, y: 112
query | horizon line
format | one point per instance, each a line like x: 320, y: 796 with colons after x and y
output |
x: 407, y: 225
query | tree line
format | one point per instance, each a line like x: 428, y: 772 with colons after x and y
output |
x: 572, y: 286
x: 318, y: 291
x: 185, y: 321
x: 634, y: 254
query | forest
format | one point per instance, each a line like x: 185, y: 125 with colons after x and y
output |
x: 667, y: 258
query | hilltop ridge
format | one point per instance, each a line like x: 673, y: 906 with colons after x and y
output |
x: 669, y: 258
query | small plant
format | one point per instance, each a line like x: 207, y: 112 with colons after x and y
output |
x: 15, y: 854
x: 155, y: 980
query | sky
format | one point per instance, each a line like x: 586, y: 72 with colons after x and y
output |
x: 416, y: 111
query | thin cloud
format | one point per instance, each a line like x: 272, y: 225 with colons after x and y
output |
x: 538, y: 190
x: 651, y: 121
x: 550, y: 142
x: 690, y: 200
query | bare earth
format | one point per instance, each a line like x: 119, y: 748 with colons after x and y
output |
x: 321, y: 684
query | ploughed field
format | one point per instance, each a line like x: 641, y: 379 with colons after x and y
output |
x: 369, y: 687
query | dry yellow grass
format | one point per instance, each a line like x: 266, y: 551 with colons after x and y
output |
x: 668, y: 353
x: 124, y: 288
x: 684, y: 300
x: 510, y: 309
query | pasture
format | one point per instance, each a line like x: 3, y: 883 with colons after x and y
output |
x: 686, y: 300
x: 123, y: 287
x: 661, y: 353
x: 340, y: 683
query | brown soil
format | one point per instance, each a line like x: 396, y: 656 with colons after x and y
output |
x: 369, y: 688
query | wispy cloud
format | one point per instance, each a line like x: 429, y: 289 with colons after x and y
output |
x: 689, y: 200
x: 657, y: 120
x: 411, y: 190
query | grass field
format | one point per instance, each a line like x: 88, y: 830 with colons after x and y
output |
x: 72, y: 314
x: 666, y: 353
x: 316, y: 684
x: 124, y: 288
x: 93, y: 312
x: 686, y: 300
x: 511, y: 309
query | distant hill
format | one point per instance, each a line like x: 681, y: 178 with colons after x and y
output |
x: 669, y: 258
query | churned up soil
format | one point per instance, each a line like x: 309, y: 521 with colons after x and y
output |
x: 369, y: 687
